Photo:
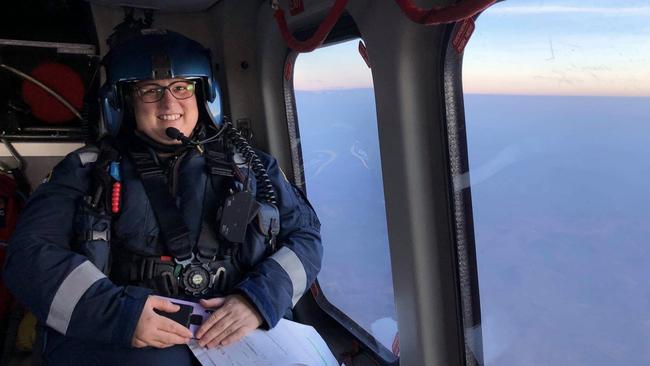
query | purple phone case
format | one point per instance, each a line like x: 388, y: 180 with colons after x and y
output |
x: 197, y: 309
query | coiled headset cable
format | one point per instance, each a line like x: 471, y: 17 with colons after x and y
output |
x: 265, y: 190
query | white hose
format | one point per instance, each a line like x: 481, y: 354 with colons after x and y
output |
x: 44, y: 87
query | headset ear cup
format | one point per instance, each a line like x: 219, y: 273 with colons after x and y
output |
x: 214, y: 112
x: 111, y: 109
x: 211, y: 85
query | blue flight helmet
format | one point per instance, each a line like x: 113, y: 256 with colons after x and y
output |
x: 151, y: 55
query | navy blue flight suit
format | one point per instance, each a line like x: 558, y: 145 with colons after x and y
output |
x: 89, y: 320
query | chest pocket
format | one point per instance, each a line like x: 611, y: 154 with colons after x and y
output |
x: 258, y: 245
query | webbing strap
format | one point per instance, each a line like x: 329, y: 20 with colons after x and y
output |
x: 208, y: 244
x: 221, y: 173
x: 173, y: 230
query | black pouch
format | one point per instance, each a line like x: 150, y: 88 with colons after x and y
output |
x: 93, y: 231
x: 260, y: 236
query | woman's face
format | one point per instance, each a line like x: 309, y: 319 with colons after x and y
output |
x: 154, y: 118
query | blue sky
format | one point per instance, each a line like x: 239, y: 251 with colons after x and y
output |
x: 330, y: 68
x: 570, y: 47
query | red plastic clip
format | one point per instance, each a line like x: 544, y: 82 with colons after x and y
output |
x: 288, y: 71
x: 463, y: 35
x: 115, y: 197
x: 363, y: 51
x: 296, y: 7
x: 395, y: 345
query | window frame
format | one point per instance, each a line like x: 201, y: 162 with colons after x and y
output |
x: 297, y: 162
x: 463, y: 220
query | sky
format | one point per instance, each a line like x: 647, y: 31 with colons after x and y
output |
x: 527, y: 47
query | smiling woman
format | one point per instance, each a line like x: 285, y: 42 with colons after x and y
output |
x: 163, y: 104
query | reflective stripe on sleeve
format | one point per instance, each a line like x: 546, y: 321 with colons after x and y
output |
x: 88, y: 157
x: 69, y: 293
x: 291, y: 264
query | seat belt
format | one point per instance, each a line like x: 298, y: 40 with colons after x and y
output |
x: 208, y: 267
x: 173, y: 229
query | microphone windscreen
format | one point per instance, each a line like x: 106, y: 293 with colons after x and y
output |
x: 173, y: 133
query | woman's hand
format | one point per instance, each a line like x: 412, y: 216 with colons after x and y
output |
x: 233, y: 318
x: 158, y: 331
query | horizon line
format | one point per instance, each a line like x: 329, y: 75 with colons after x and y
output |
x: 531, y: 94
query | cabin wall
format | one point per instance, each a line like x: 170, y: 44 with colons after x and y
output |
x: 406, y: 61
x: 38, y: 157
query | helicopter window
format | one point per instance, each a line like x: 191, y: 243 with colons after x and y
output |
x: 556, y: 113
x: 342, y: 168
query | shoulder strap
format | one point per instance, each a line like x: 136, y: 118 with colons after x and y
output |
x: 220, y: 169
x: 173, y: 230
x: 101, y: 179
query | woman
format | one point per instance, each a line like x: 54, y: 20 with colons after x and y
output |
x: 187, y: 209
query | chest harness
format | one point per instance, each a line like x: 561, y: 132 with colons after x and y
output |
x: 213, y: 265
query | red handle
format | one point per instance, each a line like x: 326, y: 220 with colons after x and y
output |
x: 446, y: 14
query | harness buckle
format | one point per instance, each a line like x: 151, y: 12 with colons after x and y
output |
x: 99, y: 235
x: 185, y: 262
x: 197, y: 279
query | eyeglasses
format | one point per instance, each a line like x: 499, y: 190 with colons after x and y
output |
x: 151, y: 93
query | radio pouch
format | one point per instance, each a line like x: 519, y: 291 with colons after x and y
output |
x: 260, y: 236
x: 235, y: 215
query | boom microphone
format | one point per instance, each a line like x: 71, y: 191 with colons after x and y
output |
x: 175, y: 134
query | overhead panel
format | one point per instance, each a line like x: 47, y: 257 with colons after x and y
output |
x: 161, y: 5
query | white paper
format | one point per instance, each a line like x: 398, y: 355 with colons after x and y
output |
x: 287, y: 344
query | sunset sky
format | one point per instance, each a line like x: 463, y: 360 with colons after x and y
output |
x: 534, y: 47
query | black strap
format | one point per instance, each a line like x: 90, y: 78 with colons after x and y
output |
x: 221, y: 173
x: 173, y: 230
x: 208, y: 245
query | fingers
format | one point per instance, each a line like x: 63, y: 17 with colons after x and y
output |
x: 234, y: 319
x: 215, y: 324
x: 213, y: 303
x: 141, y: 343
x: 137, y: 343
x: 166, y: 324
x: 164, y: 305
x: 170, y: 339
x: 214, y: 317
x: 235, y: 336
x: 158, y: 331
x: 172, y: 327
x: 217, y: 332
